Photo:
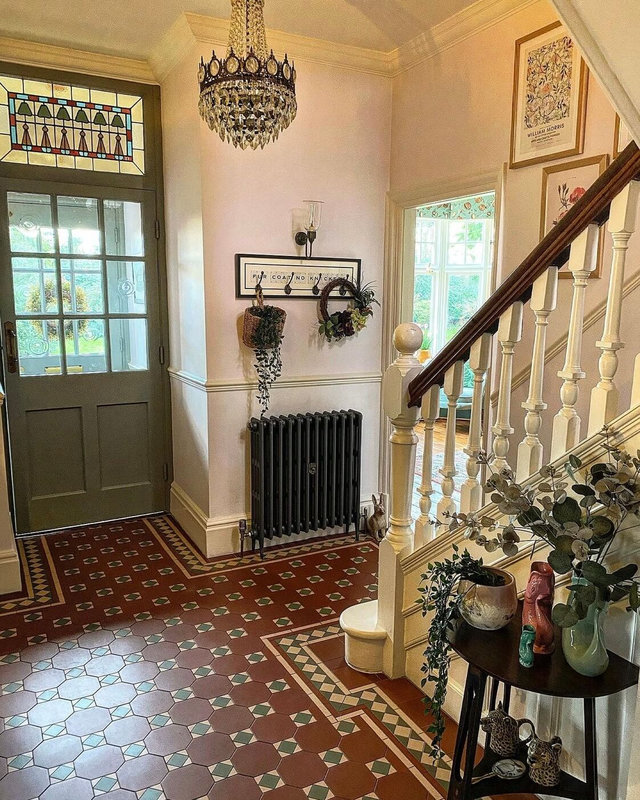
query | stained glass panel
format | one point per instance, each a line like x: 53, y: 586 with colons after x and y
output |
x: 60, y: 125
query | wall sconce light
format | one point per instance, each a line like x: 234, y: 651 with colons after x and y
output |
x: 308, y: 236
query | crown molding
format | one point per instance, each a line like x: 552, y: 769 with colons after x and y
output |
x: 466, y: 23
x: 191, y: 30
x: 65, y: 58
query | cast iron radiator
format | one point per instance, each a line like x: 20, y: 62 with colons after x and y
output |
x: 305, y: 473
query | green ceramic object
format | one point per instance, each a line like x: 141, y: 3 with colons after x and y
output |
x: 525, y: 651
x: 583, y: 644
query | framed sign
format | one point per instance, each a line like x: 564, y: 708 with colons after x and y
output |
x: 291, y: 276
x: 621, y: 137
x: 562, y: 186
x: 549, y: 98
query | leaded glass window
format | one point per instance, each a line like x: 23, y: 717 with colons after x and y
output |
x: 74, y: 127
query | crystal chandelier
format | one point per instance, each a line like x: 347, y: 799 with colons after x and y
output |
x: 249, y: 96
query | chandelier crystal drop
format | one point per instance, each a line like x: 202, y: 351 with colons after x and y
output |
x: 249, y: 97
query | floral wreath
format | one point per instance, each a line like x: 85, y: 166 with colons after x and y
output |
x: 342, y: 324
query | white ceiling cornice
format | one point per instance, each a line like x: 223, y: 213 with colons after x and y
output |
x: 471, y: 20
x: 190, y: 30
x: 48, y: 55
x: 193, y: 29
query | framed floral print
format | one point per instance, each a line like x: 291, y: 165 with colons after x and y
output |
x: 549, y: 98
x: 621, y: 137
x: 562, y: 186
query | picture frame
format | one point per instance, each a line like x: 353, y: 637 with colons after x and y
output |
x: 562, y: 186
x: 621, y: 136
x: 548, y: 106
x: 292, y: 276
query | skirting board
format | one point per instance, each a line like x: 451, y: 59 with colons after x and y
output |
x: 218, y: 536
x: 10, y: 574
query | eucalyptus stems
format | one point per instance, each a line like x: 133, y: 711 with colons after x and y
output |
x: 579, y: 532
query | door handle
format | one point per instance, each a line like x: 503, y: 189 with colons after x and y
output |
x: 11, y: 346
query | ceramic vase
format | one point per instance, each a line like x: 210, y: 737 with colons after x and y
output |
x: 583, y: 644
x: 538, y: 601
x: 489, y: 608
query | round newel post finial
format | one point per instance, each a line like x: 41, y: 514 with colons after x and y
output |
x: 407, y: 338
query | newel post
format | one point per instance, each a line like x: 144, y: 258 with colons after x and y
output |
x: 398, y: 541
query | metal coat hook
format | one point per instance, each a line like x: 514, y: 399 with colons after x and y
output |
x: 259, y: 283
x: 287, y: 288
x: 342, y: 290
x: 316, y: 288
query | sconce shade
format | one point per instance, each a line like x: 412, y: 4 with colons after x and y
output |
x: 315, y: 214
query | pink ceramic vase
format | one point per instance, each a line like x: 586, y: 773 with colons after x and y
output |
x: 538, y: 601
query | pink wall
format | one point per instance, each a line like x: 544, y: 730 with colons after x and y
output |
x: 336, y: 150
x: 451, y: 121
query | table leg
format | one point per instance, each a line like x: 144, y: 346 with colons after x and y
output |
x: 590, y: 757
x: 467, y: 739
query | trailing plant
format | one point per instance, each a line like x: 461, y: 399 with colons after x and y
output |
x: 578, y: 513
x: 262, y: 331
x: 348, y: 322
x: 439, y: 594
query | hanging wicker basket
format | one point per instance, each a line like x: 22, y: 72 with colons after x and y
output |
x: 253, y: 317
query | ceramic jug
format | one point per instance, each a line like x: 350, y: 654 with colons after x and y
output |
x: 536, y: 611
x: 504, y: 731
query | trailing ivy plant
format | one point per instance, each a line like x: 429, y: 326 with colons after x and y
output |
x: 267, y: 341
x: 578, y: 513
x: 439, y: 594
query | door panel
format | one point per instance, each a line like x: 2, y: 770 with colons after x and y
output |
x: 85, y: 401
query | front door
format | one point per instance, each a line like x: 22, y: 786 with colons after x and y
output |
x: 81, y: 333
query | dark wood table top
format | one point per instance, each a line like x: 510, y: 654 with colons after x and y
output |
x: 496, y: 653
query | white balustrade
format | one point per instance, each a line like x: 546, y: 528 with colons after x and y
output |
x: 566, y: 423
x: 509, y: 334
x: 543, y: 301
x: 621, y: 225
x: 403, y: 439
x: 471, y: 491
x: 452, y: 389
x: 430, y: 412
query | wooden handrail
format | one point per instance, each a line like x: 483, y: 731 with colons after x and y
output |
x: 593, y: 206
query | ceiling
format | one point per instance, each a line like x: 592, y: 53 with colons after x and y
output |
x: 132, y: 28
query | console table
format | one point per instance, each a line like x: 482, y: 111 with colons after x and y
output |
x: 494, y: 654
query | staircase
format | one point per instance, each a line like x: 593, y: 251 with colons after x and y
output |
x: 389, y: 634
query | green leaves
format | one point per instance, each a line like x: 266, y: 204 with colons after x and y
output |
x: 563, y: 615
x: 560, y: 562
x: 567, y: 511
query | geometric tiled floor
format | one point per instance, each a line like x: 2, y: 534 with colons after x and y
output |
x: 132, y: 668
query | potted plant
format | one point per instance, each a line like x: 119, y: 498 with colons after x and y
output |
x: 460, y: 586
x: 577, y: 513
x: 263, y: 331
x: 425, y: 351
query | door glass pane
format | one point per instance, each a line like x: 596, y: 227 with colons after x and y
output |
x: 82, y: 291
x: 35, y: 285
x: 84, y: 345
x: 123, y: 228
x: 30, y: 226
x: 78, y: 229
x: 128, y: 344
x: 39, y: 346
x: 463, y: 300
x: 126, y: 287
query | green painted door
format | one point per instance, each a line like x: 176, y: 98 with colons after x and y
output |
x: 82, y: 354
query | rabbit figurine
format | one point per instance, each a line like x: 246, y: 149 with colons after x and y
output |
x: 377, y: 522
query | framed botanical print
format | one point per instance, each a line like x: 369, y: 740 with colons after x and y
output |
x: 562, y: 186
x: 549, y: 98
x: 621, y: 137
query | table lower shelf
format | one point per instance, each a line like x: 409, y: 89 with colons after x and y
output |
x: 569, y: 786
